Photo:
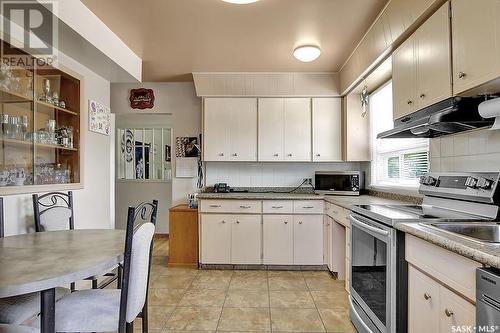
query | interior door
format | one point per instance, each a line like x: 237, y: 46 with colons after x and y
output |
x: 475, y: 35
x: 278, y: 239
x: 307, y: 236
x: 217, y: 122
x: 327, y: 129
x: 246, y: 239
x: 215, y: 239
x: 271, y: 129
x: 434, y: 59
x: 404, y: 78
x: 243, y: 129
x: 298, y: 129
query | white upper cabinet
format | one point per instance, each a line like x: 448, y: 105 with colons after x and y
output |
x: 230, y: 129
x: 422, y: 66
x: 476, y: 43
x: 327, y: 129
x: 298, y: 129
x: 271, y: 129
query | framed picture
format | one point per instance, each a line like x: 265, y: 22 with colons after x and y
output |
x: 187, y: 147
x: 142, y: 98
x: 99, y: 118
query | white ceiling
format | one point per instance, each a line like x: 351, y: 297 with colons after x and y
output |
x: 178, y: 37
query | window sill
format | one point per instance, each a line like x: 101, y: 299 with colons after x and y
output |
x: 396, y: 189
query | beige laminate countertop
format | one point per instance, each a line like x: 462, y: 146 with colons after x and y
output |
x: 259, y: 196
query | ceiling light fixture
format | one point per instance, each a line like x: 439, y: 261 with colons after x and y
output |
x: 240, y: 2
x: 307, y: 53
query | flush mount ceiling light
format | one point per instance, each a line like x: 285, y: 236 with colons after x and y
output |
x: 307, y: 53
x: 240, y: 2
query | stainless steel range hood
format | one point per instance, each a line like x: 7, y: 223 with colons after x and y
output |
x: 453, y: 115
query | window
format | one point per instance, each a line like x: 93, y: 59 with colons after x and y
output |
x: 395, y: 162
x: 144, y: 154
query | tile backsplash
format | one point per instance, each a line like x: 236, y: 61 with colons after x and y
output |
x: 471, y: 151
x: 268, y: 174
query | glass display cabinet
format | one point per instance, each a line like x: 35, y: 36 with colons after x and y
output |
x: 39, y: 128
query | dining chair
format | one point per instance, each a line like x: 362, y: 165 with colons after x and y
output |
x: 54, y: 211
x: 106, y: 310
x: 5, y: 328
x: 19, y: 309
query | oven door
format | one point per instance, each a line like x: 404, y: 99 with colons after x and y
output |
x: 373, y: 275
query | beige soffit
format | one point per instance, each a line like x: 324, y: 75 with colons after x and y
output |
x: 178, y: 37
x: 266, y: 84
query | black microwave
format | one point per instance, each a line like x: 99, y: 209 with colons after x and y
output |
x: 338, y: 182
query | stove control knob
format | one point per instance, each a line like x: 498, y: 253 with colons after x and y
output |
x: 428, y: 180
x: 471, y: 182
x: 484, y: 183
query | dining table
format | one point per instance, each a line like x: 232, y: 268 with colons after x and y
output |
x: 42, y: 261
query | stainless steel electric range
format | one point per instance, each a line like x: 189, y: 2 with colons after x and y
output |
x: 378, y: 300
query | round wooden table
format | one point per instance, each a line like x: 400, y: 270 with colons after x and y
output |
x: 43, y: 261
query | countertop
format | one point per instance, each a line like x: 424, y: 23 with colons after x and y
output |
x: 347, y: 202
x: 261, y: 196
x: 487, y: 254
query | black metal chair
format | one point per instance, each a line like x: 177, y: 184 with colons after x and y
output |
x: 105, y: 310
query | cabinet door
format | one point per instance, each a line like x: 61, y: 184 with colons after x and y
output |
x: 327, y: 242
x: 434, y: 59
x: 327, y: 129
x: 308, y: 239
x: 278, y: 239
x: 271, y: 129
x: 455, y: 311
x: 297, y: 129
x: 217, y: 122
x: 423, y: 302
x: 404, y: 79
x: 338, y: 249
x: 475, y: 38
x: 215, y: 239
x: 246, y: 239
x: 243, y: 129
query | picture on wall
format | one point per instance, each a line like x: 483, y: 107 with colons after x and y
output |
x: 99, y: 118
x: 187, y: 147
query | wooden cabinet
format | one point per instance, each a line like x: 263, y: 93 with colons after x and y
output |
x: 215, y: 239
x: 246, y: 239
x: 307, y: 236
x: 476, y: 43
x: 422, y: 66
x: 327, y: 129
x: 434, y: 308
x: 230, y: 129
x: 278, y: 239
x: 183, y: 236
x: 356, y: 129
x: 297, y: 129
x: 271, y: 129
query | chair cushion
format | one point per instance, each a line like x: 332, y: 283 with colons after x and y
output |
x: 4, y: 328
x: 93, y: 310
x: 17, y: 309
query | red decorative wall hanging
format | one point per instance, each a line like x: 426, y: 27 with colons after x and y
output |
x: 142, y: 98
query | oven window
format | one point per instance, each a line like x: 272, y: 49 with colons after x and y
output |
x: 333, y: 182
x: 369, y: 271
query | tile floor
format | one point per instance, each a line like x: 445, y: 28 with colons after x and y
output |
x: 184, y: 300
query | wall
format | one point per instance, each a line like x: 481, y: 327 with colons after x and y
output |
x: 268, y: 174
x: 179, y: 102
x: 94, y: 204
x: 472, y: 151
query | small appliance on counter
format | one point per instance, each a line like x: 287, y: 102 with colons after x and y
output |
x: 338, y: 182
x: 221, y: 188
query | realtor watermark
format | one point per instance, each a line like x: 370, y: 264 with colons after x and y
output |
x: 30, y: 33
x: 475, y: 329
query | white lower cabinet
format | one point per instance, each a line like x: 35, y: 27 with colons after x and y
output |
x: 215, y: 239
x: 278, y: 239
x: 307, y: 236
x: 246, y: 239
x: 433, y: 308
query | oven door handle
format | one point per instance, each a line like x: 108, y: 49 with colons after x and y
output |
x: 379, y: 231
x: 358, y: 317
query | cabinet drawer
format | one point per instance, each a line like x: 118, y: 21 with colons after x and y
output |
x: 308, y: 207
x: 435, y: 261
x: 277, y: 207
x: 231, y: 206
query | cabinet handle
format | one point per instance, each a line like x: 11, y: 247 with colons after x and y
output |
x: 215, y: 206
x: 245, y: 207
x: 300, y: 222
x: 410, y: 102
x: 289, y: 155
x: 286, y: 222
x: 235, y: 154
x: 448, y: 313
x: 237, y: 222
x: 318, y: 155
x: 461, y: 75
x: 308, y: 207
x: 427, y: 296
x: 221, y: 154
x: 276, y: 207
x: 335, y: 212
x: 276, y: 155
x: 223, y: 222
x: 422, y: 95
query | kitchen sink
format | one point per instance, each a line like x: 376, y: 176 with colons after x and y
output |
x: 486, y: 232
